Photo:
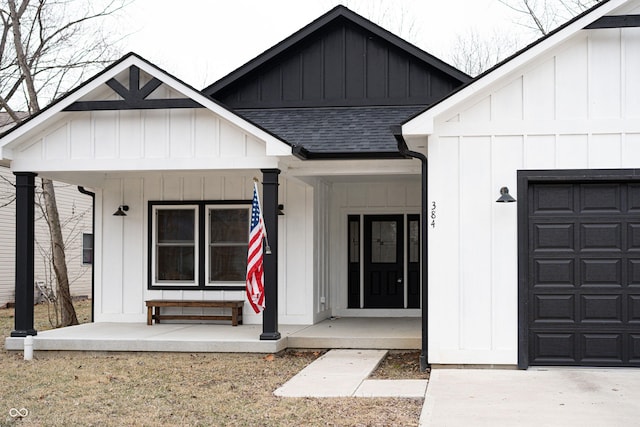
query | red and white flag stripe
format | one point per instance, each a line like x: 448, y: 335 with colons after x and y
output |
x: 255, y: 264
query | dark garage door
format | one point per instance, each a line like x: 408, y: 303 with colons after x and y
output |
x: 583, y: 290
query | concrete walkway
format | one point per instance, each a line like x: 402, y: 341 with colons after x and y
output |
x: 564, y: 397
x: 343, y: 373
x: 536, y: 397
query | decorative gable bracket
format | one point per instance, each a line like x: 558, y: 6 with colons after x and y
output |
x: 134, y: 97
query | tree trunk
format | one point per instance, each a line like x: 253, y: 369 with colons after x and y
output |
x: 67, y: 312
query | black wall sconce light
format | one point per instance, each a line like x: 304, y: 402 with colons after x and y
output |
x: 121, y: 210
x: 505, y: 197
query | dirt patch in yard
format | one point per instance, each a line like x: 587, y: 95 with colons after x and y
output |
x: 400, y: 365
x: 181, y: 389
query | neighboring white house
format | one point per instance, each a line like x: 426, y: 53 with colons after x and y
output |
x: 75, y: 213
x: 554, y: 278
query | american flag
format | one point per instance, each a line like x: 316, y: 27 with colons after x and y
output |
x: 255, y: 271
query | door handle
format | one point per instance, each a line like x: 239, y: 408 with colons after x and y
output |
x: 399, y: 281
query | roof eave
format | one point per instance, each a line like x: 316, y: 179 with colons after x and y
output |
x: 304, y: 154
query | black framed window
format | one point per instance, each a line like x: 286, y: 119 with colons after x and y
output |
x: 175, y: 245
x: 228, y: 244
x: 87, y: 248
x: 201, y: 245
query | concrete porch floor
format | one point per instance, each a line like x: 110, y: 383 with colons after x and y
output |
x: 345, y: 332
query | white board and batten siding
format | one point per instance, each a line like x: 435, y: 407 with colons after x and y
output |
x: 121, y: 283
x: 576, y: 107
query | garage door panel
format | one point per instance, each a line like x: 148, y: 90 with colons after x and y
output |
x: 633, y: 272
x: 633, y: 307
x: 559, y: 272
x: 601, y: 198
x: 553, y: 347
x: 554, y: 237
x: 633, y: 198
x: 601, y: 309
x: 602, y: 348
x: 601, y: 237
x: 553, y: 199
x: 554, y: 308
x: 634, y: 349
x: 633, y: 236
x: 601, y: 272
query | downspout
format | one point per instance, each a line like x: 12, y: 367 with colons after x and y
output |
x: 93, y: 233
x: 404, y: 150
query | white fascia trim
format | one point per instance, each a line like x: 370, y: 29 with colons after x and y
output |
x: 326, y: 168
x: 423, y: 124
x: 146, y: 165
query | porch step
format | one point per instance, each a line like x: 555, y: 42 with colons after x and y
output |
x: 402, y: 333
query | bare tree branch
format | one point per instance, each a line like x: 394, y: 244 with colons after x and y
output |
x: 46, y: 47
x: 543, y: 16
x: 8, y: 203
x: 474, y: 54
x: 22, y: 59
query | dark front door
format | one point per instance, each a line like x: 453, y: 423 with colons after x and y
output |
x: 584, y: 273
x: 383, y: 261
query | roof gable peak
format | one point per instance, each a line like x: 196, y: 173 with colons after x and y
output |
x: 320, y: 24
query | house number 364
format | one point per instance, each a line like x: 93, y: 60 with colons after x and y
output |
x: 433, y: 215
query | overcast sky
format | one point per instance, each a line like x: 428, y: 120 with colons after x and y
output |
x: 200, y: 41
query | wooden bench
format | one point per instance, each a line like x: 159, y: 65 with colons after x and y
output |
x: 153, y: 310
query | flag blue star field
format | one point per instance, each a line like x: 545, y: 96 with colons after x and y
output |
x: 255, y: 270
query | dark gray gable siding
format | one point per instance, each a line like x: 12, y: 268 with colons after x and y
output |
x: 333, y: 89
x: 339, y: 60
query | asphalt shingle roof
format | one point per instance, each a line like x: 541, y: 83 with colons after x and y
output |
x: 338, y: 130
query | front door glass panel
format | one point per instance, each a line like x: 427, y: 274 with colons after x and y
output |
x: 384, y: 238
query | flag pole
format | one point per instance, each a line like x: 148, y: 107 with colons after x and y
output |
x: 267, y: 248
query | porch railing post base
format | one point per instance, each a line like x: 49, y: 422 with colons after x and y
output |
x: 270, y: 336
x: 22, y: 334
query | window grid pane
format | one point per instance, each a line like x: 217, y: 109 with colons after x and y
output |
x: 87, y: 248
x: 175, y: 246
x: 354, y: 241
x: 229, y: 225
x: 176, y: 263
x: 228, y: 244
x: 228, y: 263
x: 414, y: 241
x: 176, y: 225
